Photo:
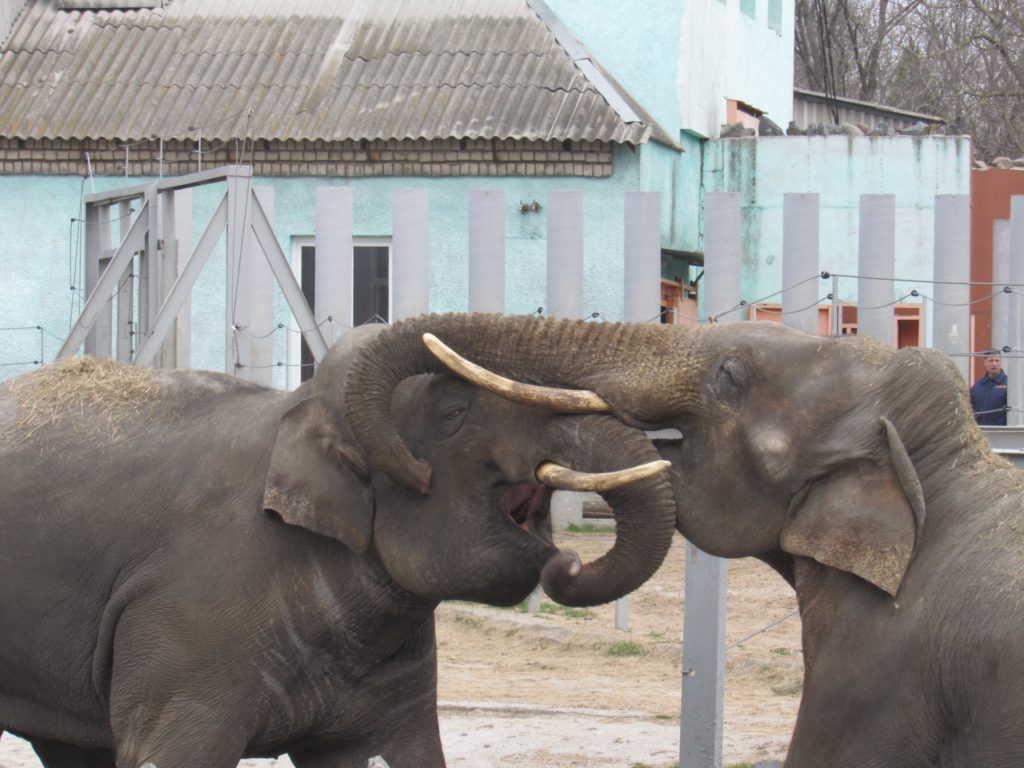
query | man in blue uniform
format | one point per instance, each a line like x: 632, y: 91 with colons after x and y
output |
x: 988, y: 395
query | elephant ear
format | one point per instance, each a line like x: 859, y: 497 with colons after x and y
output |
x: 316, y: 480
x: 864, y: 518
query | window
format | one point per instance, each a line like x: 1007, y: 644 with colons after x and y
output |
x: 749, y: 8
x: 371, y: 294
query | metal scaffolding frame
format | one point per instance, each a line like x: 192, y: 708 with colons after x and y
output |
x: 163, y: 282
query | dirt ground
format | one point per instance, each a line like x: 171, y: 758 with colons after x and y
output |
x: 565, y: 688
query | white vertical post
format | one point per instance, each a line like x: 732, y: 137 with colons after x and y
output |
x: 951, y: 312
x: 564, y: 298
x: 238, y: 219
x: 876, y: 259
x: 183, y: 238
x: 486, y: 250
x: 800, y: 261
x: 642, y: 275
x: 707, y: 577
x: 97, y: 246
x: 410, y: 276
x: 1000, y: 281
x: 1013, y: 363
x: 334, y: 267
x: 128, y: 337
x: 565, y: 254
x: 257, y: 288
x: 641, y: 288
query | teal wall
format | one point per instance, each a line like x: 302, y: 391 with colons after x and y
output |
x: 840, y: 169
x: 38, y: 243
x: 683, y: 59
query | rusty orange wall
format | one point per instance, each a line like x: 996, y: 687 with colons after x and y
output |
x: 991, y: 191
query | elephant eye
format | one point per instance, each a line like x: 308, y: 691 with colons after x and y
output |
x: 732, y: 377
x: 454, y: 413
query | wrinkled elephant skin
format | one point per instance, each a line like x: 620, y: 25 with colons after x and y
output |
x: 858, y: 473
x: 194, y: 569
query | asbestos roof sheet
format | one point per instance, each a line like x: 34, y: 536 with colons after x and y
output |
x: 303, y: 69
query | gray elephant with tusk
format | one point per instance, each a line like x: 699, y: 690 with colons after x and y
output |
x: 194, y: 569
x: 855, y: 470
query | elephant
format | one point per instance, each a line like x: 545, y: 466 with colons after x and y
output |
x: 196, y: 569
x: 855, y: 470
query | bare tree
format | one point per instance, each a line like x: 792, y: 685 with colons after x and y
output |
x: 962, y: 60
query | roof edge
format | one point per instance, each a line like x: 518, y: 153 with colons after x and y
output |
x: 822, y: 97
x: 618, y: 98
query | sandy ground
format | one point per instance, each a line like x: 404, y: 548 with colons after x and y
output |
x: 565, y: 688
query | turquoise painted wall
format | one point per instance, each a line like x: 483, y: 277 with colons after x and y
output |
x: 38, y: 245
x: 682, y: 59
x: 840, y: 169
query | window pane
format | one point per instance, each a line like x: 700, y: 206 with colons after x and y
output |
x: 370, y: 283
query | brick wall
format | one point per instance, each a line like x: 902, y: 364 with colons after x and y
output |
x: 350, y: 158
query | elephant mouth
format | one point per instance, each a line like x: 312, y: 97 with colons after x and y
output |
x: 528, y: 507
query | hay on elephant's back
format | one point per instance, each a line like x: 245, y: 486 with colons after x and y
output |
x: 84, y: 390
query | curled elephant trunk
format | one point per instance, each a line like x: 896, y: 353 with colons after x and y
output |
x: 643, y: 504
x: 602, y: 357
x: 633, y: 368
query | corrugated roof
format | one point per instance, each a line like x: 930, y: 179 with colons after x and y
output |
x: 302, y: 69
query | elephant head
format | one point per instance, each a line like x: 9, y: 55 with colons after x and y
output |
x: 792, y: 444
x: 481, y: 530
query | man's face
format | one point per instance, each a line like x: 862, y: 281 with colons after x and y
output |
x: 993, y: 364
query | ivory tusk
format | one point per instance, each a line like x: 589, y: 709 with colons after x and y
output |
x: 563, y: 479
x: 553, y: 398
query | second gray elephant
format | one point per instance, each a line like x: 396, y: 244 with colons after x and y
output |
x: 857, y: 472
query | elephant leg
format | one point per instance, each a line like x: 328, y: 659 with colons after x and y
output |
x: 54, y: 754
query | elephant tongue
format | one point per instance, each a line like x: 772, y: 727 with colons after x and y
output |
x: 524, y: 503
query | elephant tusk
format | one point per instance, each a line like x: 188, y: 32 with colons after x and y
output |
x: 553, y: 398
x: 565, y: 479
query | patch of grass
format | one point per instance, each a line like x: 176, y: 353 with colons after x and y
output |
x: 554, y: 609
x: 625, y: 648
x: 648, y: 765
x: 512, y: 632
x: 588, y: 528
x: 782, y: 652
x: 468, y: 621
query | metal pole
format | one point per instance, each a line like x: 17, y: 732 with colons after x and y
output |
x: 1015, y: 369
x: 486, y: 250
x: 641, y: 288
x: 410, y: 281
x: 333, y: 273
x: 837, y: 308
x: 800, y: 226
x: 876, y: 259
x: 564, y: 298
x: 1000, y: 280
x: 565, y: 254
x: 258, y: 286
x: 707, y: 577
x: 951, y: 312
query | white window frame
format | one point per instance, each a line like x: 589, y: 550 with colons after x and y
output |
x: 294, y: 346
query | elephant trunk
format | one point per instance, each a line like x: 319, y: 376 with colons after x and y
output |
x: 644, y: 523
x: 640, y: 370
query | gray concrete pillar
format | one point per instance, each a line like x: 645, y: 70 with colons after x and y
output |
x: 1013, y: 363
x: 333, y: 271
x: 723, y: 255
x: 487, y: 250
x: 1000, y: 280
x: 410, y: 255
x: 257, y: 288
x: 800, y: 261
x: 951, y: 311
x: 875, y: 264
x: 707, y: 577
x: 565, y: 254
x: 642, y: 248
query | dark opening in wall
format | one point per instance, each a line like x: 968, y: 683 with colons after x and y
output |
x: 567, y: 145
